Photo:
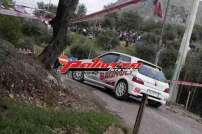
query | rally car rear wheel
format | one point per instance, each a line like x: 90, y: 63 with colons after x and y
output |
x: 121, y: 90
x: 78, y: 76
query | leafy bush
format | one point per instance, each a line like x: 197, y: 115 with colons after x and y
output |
x: 146, y: 53
x: 82, y: 10
x: 146, y: 48
x: 108, y: 40
x: 129, y: 21
x: 168, y: 58
x: 167, y: 61
x: 82, y: 47
x: 151, y: 38
x: 110, y: 21
x: 37, y: 30
x: 150, y: 26
x: 31, y: 28
x: 197, y: 34
x: 10, y: 28
x: 25, y: 42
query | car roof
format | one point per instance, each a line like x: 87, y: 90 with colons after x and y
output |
x: 135, y: 59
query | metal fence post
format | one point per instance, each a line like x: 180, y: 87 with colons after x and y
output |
x: 140, y: 114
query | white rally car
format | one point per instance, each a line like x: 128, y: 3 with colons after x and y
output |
x: 148, y: 79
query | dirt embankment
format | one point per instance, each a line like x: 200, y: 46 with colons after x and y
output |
x: 22, y: 78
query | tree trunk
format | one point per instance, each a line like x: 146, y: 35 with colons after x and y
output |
x: 59, y: 24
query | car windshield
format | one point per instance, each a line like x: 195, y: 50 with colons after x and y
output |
x: 152, y: 73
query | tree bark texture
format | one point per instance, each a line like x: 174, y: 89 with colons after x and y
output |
x: 59, y: 39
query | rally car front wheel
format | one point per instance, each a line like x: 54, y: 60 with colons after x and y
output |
x: 78, y: 76
x: 121, y: 90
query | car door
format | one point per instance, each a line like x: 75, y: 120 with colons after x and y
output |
x: 124, y: 72
x: 111, y: 77
x: 96, y: 76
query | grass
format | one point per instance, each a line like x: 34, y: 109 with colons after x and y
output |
x: 127, y: 50
x: 24, y: 119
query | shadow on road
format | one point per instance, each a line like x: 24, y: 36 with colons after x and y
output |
x: 111, y: 93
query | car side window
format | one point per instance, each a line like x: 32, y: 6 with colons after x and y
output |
x: 124, y: 58
x: 109, y: 58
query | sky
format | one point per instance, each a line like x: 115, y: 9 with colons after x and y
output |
x: 92, y: 5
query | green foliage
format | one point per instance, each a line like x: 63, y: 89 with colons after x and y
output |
x: 110, y: 21
x: 37, y: 30
x: 126, y: 21
x: 5, y: 48
x: 14, y: 29
x: 67, y: 52
x: 25, y: 42
x: 151, y: 26
x: 167, y: 61
x: 108, y: 39
x: 82, y: 10
x: 170, y: 33
x: 200, y: 53
x: 168, y: 58
x: 151, y: 38
x: 131, y: 50
x: 173, y: 32
x: 84, y: 25
x: 146, y: 49
x: 6, y: 3
x: 129, y: 21
x: 52, y: 9
x: 82, y: 47
x: 168, y: 71
x: 31, y: 28
x: 24, y: 119
x: 179, y: 30
x: 197, y: 34
x: 146, y: 53
x: 10, y: 28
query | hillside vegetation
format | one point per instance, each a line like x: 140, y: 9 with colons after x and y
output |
x: 177, y: 14
x: 33, y: 100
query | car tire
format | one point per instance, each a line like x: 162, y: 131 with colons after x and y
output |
x: 154, y: 104
x: 78, y: 76
x: 121, y: 90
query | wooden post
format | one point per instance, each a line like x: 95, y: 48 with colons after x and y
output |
x: 140, y: 114
x: 188, y: 99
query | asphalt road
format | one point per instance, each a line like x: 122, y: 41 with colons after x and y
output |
x: 155, y: 121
